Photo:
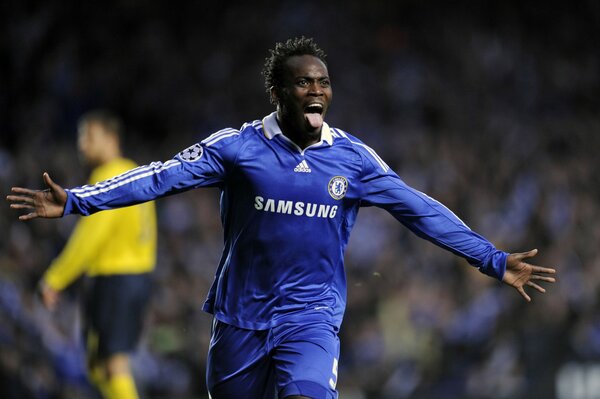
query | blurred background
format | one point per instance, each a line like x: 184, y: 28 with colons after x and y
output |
x: 490, y: 107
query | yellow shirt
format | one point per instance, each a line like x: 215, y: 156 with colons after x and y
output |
x: 120, y: 241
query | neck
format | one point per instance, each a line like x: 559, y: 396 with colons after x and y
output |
x: 108, y: 156
x: 299, y: 136
x: 111, y: 157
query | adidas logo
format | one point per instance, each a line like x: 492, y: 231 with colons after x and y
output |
x: 302, y: 167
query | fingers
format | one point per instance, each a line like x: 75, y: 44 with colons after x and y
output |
x: 539, y: 269
x: 522, y: 274
x: 22, y: 190
x: 49, y: 182
x: 26, y: 203
x: 515, y: 259
x: 528, y: 254
x: 28, y: 216
x: 537, y: 287
x: 543, y: 278
x: 534, y: 285
x: 19, y: 199
x: 524, y: 294
x: 39, y: 203
x: 21, y: 206
x: 23, y: 202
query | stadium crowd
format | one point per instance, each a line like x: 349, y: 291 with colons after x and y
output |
x: 492, y: 109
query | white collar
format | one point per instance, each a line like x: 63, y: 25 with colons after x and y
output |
x: 271, y: 129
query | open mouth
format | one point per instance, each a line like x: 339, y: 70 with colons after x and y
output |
x: 313, y: 115
x: 314, y: 108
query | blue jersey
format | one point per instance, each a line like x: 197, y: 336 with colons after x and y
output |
x: 287, y: 214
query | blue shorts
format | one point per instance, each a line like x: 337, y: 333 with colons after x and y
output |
x: 290, y: 359
x: 114, y: 312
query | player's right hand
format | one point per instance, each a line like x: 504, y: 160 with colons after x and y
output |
x: 49, y: 296
x: 49, y: 203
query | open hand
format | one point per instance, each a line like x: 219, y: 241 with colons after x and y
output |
x: 49, y: 203
x: 520, y: 274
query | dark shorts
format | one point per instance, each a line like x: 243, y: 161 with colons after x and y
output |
x: 290, y: 359
x: 114, y: 312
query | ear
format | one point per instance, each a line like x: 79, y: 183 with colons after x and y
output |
x: 274, y: 95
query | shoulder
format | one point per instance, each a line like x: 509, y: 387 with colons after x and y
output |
x: 224, y: 141
x: 228, y: 139
x: 368, y: 155
x: 230, y: 135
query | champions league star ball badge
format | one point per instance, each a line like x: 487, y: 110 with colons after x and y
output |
x: 337, y: 187
x: 192, y: 153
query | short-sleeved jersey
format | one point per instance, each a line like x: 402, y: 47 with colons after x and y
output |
x: 119, y: 242
x: 287, y: 214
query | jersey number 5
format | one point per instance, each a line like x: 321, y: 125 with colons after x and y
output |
x: 334, y: 371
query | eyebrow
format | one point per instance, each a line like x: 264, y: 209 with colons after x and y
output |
x: 311, y: 78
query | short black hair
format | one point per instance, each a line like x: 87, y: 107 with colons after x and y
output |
x: 274, y: 64
x: 109, y: 121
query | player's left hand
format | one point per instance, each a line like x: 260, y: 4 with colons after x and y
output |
x: 520, y: 273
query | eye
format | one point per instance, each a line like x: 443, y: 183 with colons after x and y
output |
x: 325, y: 83
x: 302, y: 82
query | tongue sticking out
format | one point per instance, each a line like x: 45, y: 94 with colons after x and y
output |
x: 314, y: 120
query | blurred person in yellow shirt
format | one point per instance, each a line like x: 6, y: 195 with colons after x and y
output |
x: 116, y: 250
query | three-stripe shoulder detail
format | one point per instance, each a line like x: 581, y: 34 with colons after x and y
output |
x: 337, y: 133
x: 256, y: 125
x: 220, y: 135
x: 229, y: 132
x: 124, y: 178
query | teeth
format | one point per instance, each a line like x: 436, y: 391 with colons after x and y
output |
x: 317, y: 107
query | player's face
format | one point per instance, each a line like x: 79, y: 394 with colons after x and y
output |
x: 305, y: 96
x: 91, y: 143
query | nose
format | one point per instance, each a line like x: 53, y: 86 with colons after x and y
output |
x: 315, y: 89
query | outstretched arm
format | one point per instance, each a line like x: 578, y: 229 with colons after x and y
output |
x: 431, y: 220
x: 520, y: 274
x: 49, y: 203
